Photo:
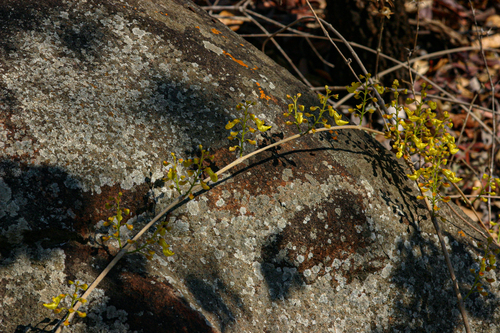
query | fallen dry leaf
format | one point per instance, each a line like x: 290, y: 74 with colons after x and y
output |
x: 489, y: 42
x: 470, y: 213
x: 231, y: 23
x: 493, y: 21
x: 421, y: 66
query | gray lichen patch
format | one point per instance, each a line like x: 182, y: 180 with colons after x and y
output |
x: 346, y: 255
x: 323, y: 234
x: 101, y: 93
x: 24, y: 282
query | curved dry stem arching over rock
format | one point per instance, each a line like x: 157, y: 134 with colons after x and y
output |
x: 320, y: 234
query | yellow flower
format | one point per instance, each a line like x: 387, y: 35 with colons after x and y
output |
x: 338, y: 119
x: 450, y: 175
x: 55, y: 302
x: 211, y: 174
x: 299, y: 118
x: 51, y: 306
x: 231, y: 124
x: 171, y: 173
x: 413, y: 177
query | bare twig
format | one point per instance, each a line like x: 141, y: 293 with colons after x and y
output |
x: 463, y: 126
x: 379, y: 47
x: 456, y: 289
x: 464, y: 197
x: 494, y: 118
x: 299, y: 73
x: 465, y: 221
x: 307, y: 39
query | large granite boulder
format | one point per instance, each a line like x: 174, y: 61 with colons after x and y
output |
x: 323, y: 234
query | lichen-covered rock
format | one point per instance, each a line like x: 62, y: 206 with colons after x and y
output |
x: 323, y: 234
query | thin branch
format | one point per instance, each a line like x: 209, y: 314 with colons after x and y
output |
x: 307, y: 39
x: 299, y: 73
x: 463, y: 126
x: 464, y: 220
x: 493, y: 134
x: 456, y: 289
x: 284, y: 28
x: 379, y: 47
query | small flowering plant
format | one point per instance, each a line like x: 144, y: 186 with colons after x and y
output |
x: 364, y: 95
x: 245, y: 127
x: 55, y: 305
x: 300, y: 117
x: 486, y: 263
x: 158, y: 237
x: 193, y: 170
x: 424, y: 135
x: 116, y: 221
x: 491, y: 183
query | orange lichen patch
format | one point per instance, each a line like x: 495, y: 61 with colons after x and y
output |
x: 236, y: 60
x: 263, y: 95
x: 197, y: 27
x: 215, y: 31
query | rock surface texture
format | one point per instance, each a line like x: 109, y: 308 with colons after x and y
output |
x: 323, y: 234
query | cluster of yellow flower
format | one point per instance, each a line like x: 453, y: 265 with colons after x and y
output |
x: 240, y: 135
x: 424, y: 135
x: 54, y: 305
x: 194, y: 169
x: 116, y: 220
x: 297, y: 111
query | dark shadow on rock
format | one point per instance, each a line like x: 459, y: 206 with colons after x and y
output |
x: 152, y: 305
x: 213, y: 295
x: 35, y: 329
x: 280, y: 275
x: 44, y: 207
x: 38, y: 204
x: 422, y: 277
x: 384, y: 167
x: 209, y: 298
x: 29, y: 15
